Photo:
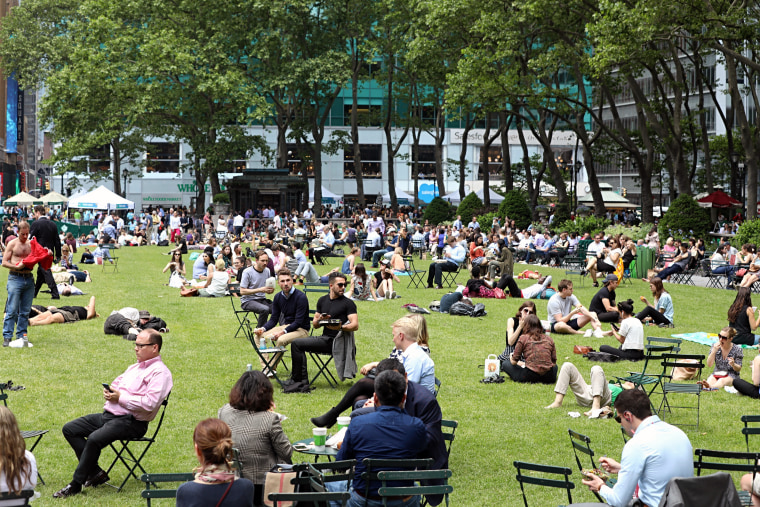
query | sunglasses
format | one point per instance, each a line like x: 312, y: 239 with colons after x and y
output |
x: 618, y: 417
x: 341, y: 285
x: 722, y: 337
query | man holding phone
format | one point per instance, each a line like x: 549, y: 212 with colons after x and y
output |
x: 338, y: 308
x: 132, y: 401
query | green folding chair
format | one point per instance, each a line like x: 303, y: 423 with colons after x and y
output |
x: 545, y: 479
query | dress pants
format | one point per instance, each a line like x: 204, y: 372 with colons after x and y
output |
x: 437, y: 268
x: 261, y: 306
x: 298, y: 351
x: 88, y: 435
x: 46, y: 276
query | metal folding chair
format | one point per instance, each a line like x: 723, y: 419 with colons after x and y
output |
x: 130, y: 456
x: 543, y: 480
x: 416, y: 276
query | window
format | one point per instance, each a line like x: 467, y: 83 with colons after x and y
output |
x: 299, y: 160
x: 163, y: 158
x: 100, y: 159
x: 367, y: 116
x: 237, y: 164
x: 371, y: 161
x: 426, y: 161
x: 492, y: 161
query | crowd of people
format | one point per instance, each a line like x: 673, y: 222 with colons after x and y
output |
x: 392, y: 393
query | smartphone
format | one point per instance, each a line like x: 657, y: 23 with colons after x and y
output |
x: 615, y: 327
x: 107, y: 387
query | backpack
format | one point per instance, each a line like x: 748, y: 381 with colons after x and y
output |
x: 460, y: 308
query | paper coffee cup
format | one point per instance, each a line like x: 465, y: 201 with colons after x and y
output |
x: 320, y: 435
x: 343, y: 421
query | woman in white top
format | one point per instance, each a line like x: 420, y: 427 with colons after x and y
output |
x: 216, y: 281
x: 18, y: 468
x: 612, y: 254
x: 630, y: 335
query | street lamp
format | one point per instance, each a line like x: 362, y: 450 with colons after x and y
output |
x: 576, y: 169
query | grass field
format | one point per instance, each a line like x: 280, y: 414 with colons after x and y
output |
x: 497, y: 423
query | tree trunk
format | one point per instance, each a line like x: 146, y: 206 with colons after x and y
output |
x: 468, y: 124
x: 115, y: 147
x: 355, y: 125
x: 506, y: 159
x: 440, y: 134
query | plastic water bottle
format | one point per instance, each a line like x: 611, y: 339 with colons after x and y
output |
x: 249, y: 367
x: 262, y: 344
x: 25, y: 339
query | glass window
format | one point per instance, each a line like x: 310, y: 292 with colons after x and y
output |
x: 100, y: 159
x: 299, y: 160
x: 371, y: 161
x: 368, y: 116
x: 237, y: 164
x: 426, y: 161
x: 163, y: 158
x: 492, y: 161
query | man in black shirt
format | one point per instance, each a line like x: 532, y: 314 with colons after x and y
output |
x: 332, y: 306
x: 42, y: 316
x: 47, y: 236
x: 603, y: 303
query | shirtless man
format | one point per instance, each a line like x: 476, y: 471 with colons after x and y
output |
x: 20, y: 285
x: 64, y: 314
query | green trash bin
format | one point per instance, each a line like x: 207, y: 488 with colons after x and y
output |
x: 645, y: 260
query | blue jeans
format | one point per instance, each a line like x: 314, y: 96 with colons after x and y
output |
x: 357, y: 500
x: 19, y: 303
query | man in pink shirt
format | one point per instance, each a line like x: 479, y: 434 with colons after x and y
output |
x: 132, y: 401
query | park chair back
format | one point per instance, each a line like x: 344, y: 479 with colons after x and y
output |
x: 125, y: 455
x: 544, y: 479
x: 244, y: 323
x: 23, y: 496
x: 582, y: 444
x: 163, y: 492
x: 373, y: 466
x: 448, y: 435
x: 416, y: 276
x: 441, y: 487
x: 652, y: 373
x: 688, y: 387
x: 728, y: 461
x: 748, y: 429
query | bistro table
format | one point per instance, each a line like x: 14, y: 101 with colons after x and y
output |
x: 329, y: 452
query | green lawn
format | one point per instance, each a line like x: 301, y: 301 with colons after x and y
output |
x: 497, y: 423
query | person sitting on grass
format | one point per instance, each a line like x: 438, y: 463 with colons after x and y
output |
x: 597, y: 395
x: 539, y: 353
x: 603, y: 302
x: 515, y: 326
x: 727, y: 358
x: 477, y: 287
x: 661, y: 313
x: 361, y: 288
x: 741, y: 317
x: 630, y: 335
x: 63, y: 314
x: 563, y: 309
x: 383, y: 280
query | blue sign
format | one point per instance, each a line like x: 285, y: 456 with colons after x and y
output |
x: 427, y: 192
x: 11, y: 116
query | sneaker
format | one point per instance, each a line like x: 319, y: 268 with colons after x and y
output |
x: 6, y: 342
x: 392, y: 295
x: 19, y: 344
x: 588, y: 333
x: 598, y: 333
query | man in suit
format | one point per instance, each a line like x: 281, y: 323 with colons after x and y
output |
x: 46, y: 233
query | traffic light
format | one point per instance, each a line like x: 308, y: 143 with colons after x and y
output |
x: 47, y: 185
x: 623, y: 191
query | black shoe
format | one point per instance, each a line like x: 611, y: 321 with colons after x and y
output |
x: 289, y: 382
x: 323, y: 421
x: 96, y: 480
x: 596, y: 284
x: 55, y: 297
x: 69, y: 490
x: 429, y: 287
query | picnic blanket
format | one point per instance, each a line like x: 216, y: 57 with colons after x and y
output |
x: 703, y: 338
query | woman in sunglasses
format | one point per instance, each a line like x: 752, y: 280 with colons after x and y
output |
x: 515, y: 327
x: 539, y: 352
x: 727, y: 358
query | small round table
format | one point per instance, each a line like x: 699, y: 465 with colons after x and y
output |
x: 328, y: 451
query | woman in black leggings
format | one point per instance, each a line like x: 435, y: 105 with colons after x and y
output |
x: 750, y: 389
x: 630, y: 335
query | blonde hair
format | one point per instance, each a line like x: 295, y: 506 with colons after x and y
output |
x: 414, y: 328
x: 13, y: 462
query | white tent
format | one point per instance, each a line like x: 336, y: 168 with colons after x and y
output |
x: 22, y: 199
x: 401, y: 196
x: 327, y: 196
x: 101, y: 198
x: 453, y: 197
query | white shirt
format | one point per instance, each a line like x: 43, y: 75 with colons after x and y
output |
x: 656, y: 453
x: 633, y: 331
x: 238, y: 220
x: 594, y: 249
x: 30, y: 481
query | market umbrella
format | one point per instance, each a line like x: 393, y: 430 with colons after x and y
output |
x: 719, y: 199
x: 54, y: 198
x: 22, y: 199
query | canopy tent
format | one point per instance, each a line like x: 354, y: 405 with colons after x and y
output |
x: 327, y: 196
x: 611, y: 201
x: 54, y: 198
x: 401, y: 197
x: 454, y: 198
x: 101, y: 198
x: 719, y: 199
x: 22, y: 199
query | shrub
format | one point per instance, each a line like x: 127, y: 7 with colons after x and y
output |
x: 684, y: 219
x: 592, y: 225
x: 749, y: 232
x: 485, y: 220
x: 222, y: 198
x: 468, y: 206
x: 515, y: 206
x: 438, y: 211
x: 636, y: 232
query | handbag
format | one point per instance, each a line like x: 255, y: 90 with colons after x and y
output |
x: 188, y: 292
x: 279, y: 479
x: 582, y: 349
